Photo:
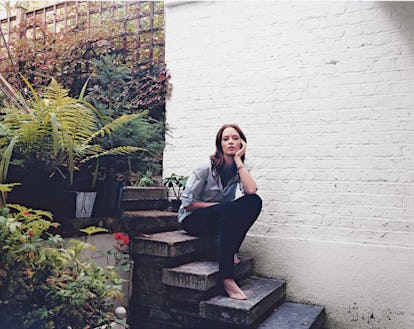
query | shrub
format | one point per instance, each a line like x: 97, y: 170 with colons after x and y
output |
x: 44, y: 283
x: 116, y: 90
x: 57, y: 135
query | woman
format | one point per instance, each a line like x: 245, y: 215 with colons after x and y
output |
x: 208, y: 202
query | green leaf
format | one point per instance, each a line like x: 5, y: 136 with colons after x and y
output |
x: 5, y: 161
x: 35, y: 95
x: 93, y: 229
x: 55, y: 134
x: 8, y: 187
x: 82, y: 93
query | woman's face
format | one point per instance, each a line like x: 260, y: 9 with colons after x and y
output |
x: 230, y: 141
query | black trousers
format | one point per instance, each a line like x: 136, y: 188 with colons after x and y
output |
x: 231, y: 221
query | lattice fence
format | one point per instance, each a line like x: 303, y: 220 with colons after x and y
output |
x: 137, y: 25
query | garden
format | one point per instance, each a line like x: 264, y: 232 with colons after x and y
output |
x: 81, y: 117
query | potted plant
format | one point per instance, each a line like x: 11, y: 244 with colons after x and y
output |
x: 176, y: 184
x: 53, y: 141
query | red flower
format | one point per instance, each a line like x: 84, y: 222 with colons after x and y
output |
x: 31, y: 234
x: 122, y: 238
x: 126, y: 240
x: 119, y: 236
x: 26, y: 213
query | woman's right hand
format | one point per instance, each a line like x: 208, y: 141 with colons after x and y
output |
x: 242, y: 150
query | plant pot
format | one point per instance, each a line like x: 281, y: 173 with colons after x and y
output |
x: 108, y: 198
x: 84, y: 204
x: 60, y: 203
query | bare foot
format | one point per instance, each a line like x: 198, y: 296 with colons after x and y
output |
x: 233, y: 290
x: 236, y: 259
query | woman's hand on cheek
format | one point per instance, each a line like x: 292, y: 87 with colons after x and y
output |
x: 242, y: 150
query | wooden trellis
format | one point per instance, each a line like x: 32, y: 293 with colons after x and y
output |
x: 139, y: 25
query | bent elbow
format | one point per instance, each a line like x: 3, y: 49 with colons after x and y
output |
x: 250, y: 191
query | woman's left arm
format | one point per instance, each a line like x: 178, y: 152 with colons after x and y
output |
x: 249, y: 185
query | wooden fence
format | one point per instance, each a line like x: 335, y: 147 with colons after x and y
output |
x: 139, y: 25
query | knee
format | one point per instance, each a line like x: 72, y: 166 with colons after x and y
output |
x: 255, y: 201
x: 231, y: 208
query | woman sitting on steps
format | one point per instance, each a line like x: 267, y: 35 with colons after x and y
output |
x: 209, y: 206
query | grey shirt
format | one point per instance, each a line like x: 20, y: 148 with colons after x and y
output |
x: 205, y: 185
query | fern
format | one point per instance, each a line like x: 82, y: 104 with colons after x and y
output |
x: 114, y: 125
x: 120, y: 150
x: 59, y: 135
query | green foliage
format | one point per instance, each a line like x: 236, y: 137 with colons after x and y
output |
x: 120, y: 252
x: 7, y: 187
x: 176, y: 183
x: 58, y: 135
x: 93, y: 229
x: 145, y: 179
x: 119, y: 84
x: 68, y: 54
x: 44, y: 283
x: 116, y: 90
x: 109, y: 93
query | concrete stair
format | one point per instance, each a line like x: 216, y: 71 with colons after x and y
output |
x: 168, y: 249
x: 191, y: 283
x: 176, y: 283
x: 202, y: 275
x: 262, y: 296
x: 148, y: 221
x: 293, y: 315
x: 144, y: 198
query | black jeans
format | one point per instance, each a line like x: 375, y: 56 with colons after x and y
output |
x: 231, y: 221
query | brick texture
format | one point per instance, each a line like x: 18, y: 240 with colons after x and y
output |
x: 324, y: 93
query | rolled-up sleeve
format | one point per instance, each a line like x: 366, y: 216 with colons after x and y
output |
x: 194, y: 186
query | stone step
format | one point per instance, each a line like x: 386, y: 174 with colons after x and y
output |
x: 170, y: 244
x: 202, y: 275
x: 132, y: 193
x: 293, y: 315
x: 262, y: 296
x: 145, y: 205
x: 144, y: 198
x: 149, y: 221
x: 169, y: 249
x: 157, y: 318
x: 191, y: 283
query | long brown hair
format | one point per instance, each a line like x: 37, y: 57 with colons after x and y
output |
x: 217, y: 159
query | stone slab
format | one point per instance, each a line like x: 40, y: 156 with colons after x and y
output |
x: 150, y: 221
x: 144, y: 193
x: 262, y: 296
x: 169, y: 244
x: 175, y: 318
x: 202, y: 275
x: 293, y: 315
x: 129, y: 205
x: 151, y: 299
x: 163, y: 262
x: 136, y: 322
x: 147, y: 279
x: 190, y: 299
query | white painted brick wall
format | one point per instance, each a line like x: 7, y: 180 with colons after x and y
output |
x: 324, y: 93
